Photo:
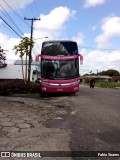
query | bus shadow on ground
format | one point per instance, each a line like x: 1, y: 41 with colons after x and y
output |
x: 49, y: 95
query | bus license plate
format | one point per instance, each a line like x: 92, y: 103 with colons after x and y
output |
x: 60, y: 89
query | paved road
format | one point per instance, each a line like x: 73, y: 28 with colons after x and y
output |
x: 94, y: 120
x: 87, y: 121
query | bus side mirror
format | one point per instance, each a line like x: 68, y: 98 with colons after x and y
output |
x: 37, y: 58
x: 81, y: 58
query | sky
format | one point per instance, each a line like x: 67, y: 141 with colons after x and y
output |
x: 93, y: 24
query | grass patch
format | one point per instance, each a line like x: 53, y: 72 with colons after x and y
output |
x: 107, y: 84
x: 33, y: 95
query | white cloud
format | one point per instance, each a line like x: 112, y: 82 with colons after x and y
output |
x: 11, y: 57
x: 100, y: 60
x: 15, y: 4
x: 3, y: 39
x: 8, y: 44
x: 110, y: 28
x: 79, y: 39
x: 52, y: 25
x: 93, y: 3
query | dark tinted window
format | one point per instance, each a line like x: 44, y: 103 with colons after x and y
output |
x: 59, y: 48
x: 54, y: 69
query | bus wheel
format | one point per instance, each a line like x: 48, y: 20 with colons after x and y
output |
x: 73, y: 93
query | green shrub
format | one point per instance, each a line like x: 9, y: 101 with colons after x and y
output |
x: 18, y: 86
x: 107, y: 84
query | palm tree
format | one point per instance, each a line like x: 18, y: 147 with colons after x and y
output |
x: 19, y: 49
x: 23, y: 49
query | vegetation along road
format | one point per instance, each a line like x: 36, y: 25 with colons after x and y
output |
x: 87, y: 121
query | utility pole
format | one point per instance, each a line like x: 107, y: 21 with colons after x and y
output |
x: 30, y: 51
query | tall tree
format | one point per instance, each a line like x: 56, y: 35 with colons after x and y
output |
x: 110, y: 72
x: 23, y: 49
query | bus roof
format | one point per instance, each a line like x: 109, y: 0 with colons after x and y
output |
x: 59, y: 41
x: 59, y: 47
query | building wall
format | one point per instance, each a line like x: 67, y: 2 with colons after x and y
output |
x: 13, y: 72
x: 97, y: 78
x: 116, y: 79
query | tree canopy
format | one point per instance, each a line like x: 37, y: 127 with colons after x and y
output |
x: 23, y: 48
x: 109, y: 72
x: 2, y: 59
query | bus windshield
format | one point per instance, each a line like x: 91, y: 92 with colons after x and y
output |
x: 65, y: 48
x: 57, y: 69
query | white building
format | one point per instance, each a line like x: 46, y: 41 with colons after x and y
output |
x: 14, y: 71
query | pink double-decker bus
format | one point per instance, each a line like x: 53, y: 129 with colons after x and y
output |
x: 59, y: 63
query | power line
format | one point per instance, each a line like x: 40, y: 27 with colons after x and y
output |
x: 20, y: 8
x: 32, y: 11
x: 36, y: 7
x: 16, y: 13
x: 11, y: 27
x: 11, y: 19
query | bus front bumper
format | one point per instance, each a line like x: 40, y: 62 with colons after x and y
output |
x: 67, y: 87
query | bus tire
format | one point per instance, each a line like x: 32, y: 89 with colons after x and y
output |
x: 73, y: 93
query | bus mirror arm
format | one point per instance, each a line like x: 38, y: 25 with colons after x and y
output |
x: 37, y: 58
x: 81, y: 58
